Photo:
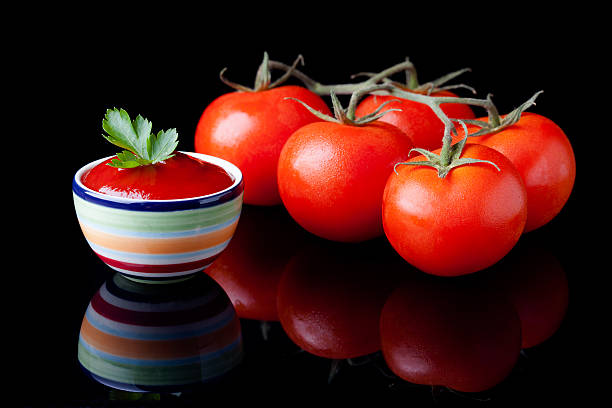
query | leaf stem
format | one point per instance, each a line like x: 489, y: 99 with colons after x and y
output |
x: 342, y: 89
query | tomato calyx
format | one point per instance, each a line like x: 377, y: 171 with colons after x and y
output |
x: 347, y: 116
x: 450, y: 154
x: 263, y: 78
x: 448, y: 159
x: 497, y: 123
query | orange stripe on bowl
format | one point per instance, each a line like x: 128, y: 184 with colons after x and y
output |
x: 158, y: 245
x: 160, y: 349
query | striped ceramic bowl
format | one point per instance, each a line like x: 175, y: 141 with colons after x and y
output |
x: 141, y: 337
x: 159, y: 239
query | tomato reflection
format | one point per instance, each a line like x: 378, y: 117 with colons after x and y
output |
x: 343, y: 301
x: 330, y: 297
x: 450, y: 332
x: 536, y: 283
x: 250, y: 267
x: 467, y: 333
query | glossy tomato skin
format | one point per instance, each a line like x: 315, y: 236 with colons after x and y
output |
x: 181, y: 176
x: 459, y: 224
x: 331, y: 177
x: 543, y: 155
x: 249, y: 130
x: 441, y: 332
x: 415, y: 119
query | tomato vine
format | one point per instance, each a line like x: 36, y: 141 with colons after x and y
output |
x: 380, y: 83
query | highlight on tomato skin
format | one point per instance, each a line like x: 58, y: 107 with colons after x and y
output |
x: 459, y: 224
x: 249, y: 130
x: 331, y: 294
x: 251, y: 266
x: 543, y: 155
x: 449, y: 332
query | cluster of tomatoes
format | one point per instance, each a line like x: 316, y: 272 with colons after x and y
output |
x: 338, y: 176
x: 391, y: 166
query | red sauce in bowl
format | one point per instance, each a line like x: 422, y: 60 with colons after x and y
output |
x: 180, y: 176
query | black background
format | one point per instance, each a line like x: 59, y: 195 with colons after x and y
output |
x: 71, y: 67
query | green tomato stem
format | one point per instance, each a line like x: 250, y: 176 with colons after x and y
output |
x: 342, y: 89
x: 263, y: 78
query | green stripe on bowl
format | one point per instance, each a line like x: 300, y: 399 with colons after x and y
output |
x: 152, y: 221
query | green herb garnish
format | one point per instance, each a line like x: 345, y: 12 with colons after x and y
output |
x: 142, y: 146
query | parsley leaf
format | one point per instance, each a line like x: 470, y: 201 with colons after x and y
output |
x: 141, y: 147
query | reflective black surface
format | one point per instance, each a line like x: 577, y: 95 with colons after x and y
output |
x: 175, y: 81
x: 338, y: 291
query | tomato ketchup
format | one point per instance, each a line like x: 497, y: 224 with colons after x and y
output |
x: 181, y: 176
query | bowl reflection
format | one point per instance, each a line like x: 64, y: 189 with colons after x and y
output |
x: 142, y: 337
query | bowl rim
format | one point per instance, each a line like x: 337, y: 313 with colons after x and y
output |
x: 206, y: 200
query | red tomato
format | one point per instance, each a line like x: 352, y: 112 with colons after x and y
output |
x: 415, y: 119
x: 181, y: 176
x: 331, y: 177
x: 458, y: 224
x: 249, y: 130
x: 541, y: 152
x: 449, y: 333
x: 251, y: 266
x: 331, y: 295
